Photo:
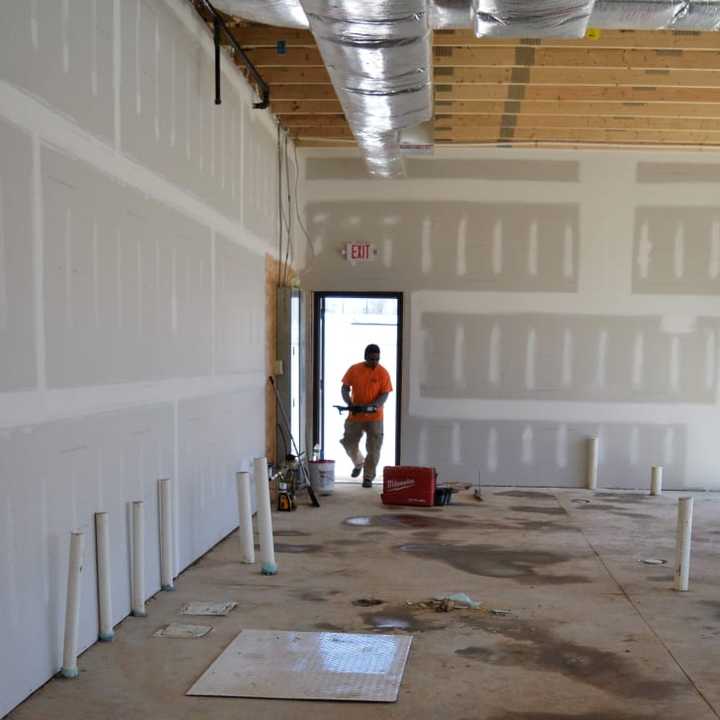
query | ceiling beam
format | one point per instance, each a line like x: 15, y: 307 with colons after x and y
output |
x: 524, y: 56
x: 305, y: 107
x: 575, y: 122
x: 585, y: 135
x: 692, y: 110
x: 535, y: 76
x: 577, y: 76
x: 576, y: 92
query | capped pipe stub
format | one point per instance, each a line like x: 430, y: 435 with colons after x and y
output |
x: 106, y: 637
x: 70, y: 673
x: 167, y: 588
x: 268, y: 568
x: 139, y: 613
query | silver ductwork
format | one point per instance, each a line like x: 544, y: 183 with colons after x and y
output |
x: 519, y: 18
x: 531, y: 18
x: 280, y: 13
x: 379, y: 56
x: 656, y: 14
x: 450, y: 14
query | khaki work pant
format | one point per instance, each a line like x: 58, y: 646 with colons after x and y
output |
x: 373, y: 444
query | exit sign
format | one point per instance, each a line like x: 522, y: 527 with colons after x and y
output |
x: 360, y: 252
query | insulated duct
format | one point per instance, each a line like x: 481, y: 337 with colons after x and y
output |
x: 531, y: 18
x: 450, y: 14
x: 502, y: 17
x: 656, y: 14
x: 280, y: 13
x: 378, y: 54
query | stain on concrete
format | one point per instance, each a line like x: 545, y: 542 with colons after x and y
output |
x: 402, y: 618
x: 329, y: 627
x: 374, y: 533
x: 496, y: 561
x: 538, y: 510
x: 410, y: 521
x: 609, y: 714
x: 367, y: 602
x: 544, y: 526
x: 297, y: 548
x: 312, y: 596
x: 661, y: 578
x: 536, y: 648
x: 629, y: 498
x: 290, y: 533
x: 529, y: 494
x: 350, y: 542
x: 612, y: 510
x: 713, y: 605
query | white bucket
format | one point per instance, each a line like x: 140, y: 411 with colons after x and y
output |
x: 322, y: 476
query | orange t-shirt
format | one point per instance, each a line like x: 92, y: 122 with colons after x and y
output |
x: 367, y: 385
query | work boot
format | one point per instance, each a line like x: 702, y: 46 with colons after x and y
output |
x: 367, y: 482
x: 356, y: 471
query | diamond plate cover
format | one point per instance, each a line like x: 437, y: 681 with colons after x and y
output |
x: 308, y: 666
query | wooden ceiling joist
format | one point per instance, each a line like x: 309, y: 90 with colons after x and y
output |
x: 618, y: 88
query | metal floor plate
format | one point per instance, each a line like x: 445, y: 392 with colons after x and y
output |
x: 308, y: 666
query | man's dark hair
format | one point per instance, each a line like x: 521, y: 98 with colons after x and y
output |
x: 372, y: 349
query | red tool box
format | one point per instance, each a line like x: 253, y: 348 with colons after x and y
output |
x: 404, y: 485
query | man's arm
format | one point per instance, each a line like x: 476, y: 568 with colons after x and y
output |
x: 380, y: 400
x: 346, y: 394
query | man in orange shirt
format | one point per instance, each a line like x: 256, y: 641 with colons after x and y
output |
x: 365, y: 388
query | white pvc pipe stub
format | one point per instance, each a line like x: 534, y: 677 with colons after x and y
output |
x: 656, y: 480
x: 245, y: 527
x: 593, y: 461
x: 268, y: 566
x: 102, y: 544
x: 166, y: 546
x: 72, y: 608
x: 138, y: 559
x: 682, y: 544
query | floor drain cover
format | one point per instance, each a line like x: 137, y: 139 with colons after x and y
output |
x: 182, y: 631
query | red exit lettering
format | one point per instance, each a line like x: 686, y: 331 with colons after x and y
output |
x: 360, y: 252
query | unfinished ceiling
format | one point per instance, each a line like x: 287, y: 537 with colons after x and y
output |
x: 612, y: 87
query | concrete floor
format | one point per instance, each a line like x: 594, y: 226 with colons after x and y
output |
x: 593, y: 633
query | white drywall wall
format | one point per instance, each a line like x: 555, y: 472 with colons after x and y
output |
x: 550, y: 295
x: 134, y: 218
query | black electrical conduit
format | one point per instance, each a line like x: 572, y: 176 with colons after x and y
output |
x: 218, y: 27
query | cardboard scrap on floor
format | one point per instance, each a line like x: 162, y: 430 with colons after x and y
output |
x: 308, y: 666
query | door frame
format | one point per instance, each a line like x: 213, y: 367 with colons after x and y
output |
x: 319, y: 298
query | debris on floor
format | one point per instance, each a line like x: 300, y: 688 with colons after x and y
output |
x: 654, y: 561
x: 208, y: 608
x: 500, y: 611
x: 183, y: 631
x: 447, y: 603
x: 461, y: 600
x: 367, y: 602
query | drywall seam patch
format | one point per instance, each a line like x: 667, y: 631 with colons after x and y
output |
x: 60, y: 133
x: 117, y: 74
x: 38, y: 265
x: 25, y: 408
